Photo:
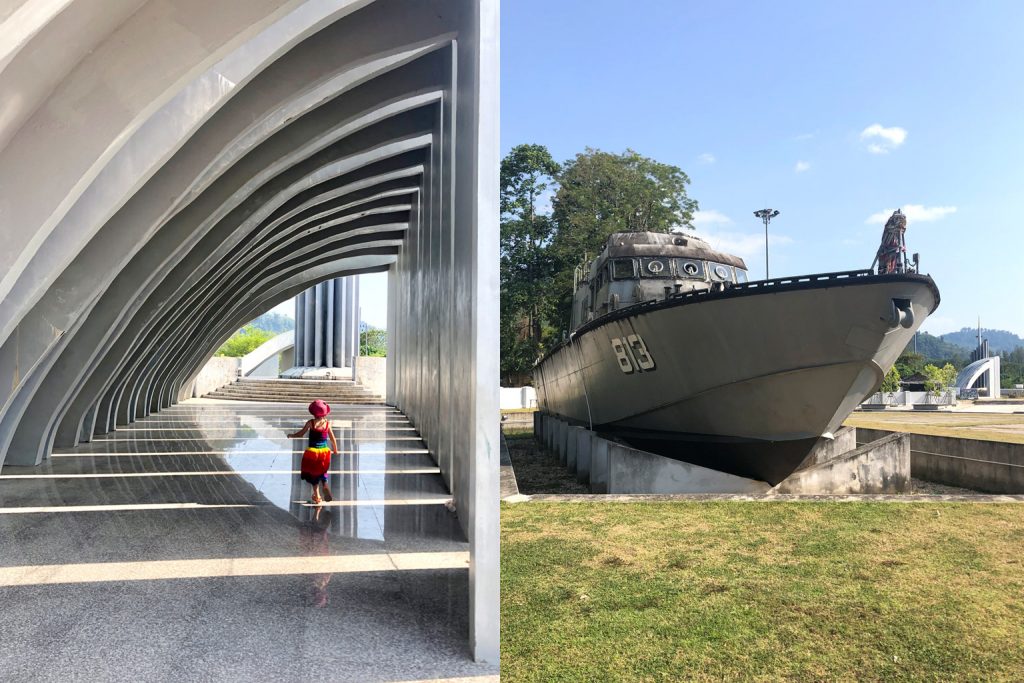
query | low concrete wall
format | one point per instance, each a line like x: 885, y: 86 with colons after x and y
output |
x: 509, y: 485
x: 990, y: 466
x: 372, y: 373
x: 882, y: 466
x: 633, y: 471
x: 218, y: 372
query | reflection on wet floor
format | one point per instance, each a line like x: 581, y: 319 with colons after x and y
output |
x: 211, y: 493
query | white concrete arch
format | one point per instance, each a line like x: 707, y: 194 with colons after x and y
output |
x: 987, y: 368
x: 265, y: 351
x: 243, y: 153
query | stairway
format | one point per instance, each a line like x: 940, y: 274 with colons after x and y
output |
x: 340, y: 391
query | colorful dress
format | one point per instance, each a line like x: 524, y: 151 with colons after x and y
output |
x: 316, y: 459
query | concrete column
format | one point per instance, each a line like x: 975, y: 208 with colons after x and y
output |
x: 329, y: 323
x: 310, y: 335
x: 340, y: 285
x: 355, y: 316
x: 352, y: 330
x: 300, y: 329
x: 318, y: 324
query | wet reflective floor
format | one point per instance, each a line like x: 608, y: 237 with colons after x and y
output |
x: 185, y: 547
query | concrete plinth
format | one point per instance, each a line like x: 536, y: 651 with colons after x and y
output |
x: 882, y: 466
x: 572, y: 446
x: 634, y: 471
x: 835, y: 466
x: 560, y: 442
x: 844, y: 441
x: 599, y: 464
x: 584, y: 445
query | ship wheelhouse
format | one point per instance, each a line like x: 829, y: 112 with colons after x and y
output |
x: 637, y: 267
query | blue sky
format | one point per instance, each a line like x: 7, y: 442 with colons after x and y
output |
x: 830, y: 113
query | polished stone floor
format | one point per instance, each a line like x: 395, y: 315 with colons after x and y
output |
x: 184, y: 548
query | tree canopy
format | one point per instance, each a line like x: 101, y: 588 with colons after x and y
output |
x: 553, y: 217
x: 244, y: 341
x: 527, y: 267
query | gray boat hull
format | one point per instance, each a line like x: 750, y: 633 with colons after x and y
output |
x: 746, y: 380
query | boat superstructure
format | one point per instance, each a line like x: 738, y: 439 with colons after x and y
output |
x: 674, y: 351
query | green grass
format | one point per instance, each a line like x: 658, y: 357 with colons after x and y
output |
x: 762, y: 591
x: 986, y: 426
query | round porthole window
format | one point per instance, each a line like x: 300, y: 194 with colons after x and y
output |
x: 655, y: 266
x: 721, y: 272
x: 690, y: 268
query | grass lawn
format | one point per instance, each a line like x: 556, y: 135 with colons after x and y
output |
x: 987, y: 426
x: 762, y: 591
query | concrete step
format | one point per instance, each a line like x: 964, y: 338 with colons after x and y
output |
x: 341, y: 392
x: 314, y: 394
x: 286, y: 399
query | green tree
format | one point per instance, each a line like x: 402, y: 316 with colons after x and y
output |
x: 909, y: 363
x: 601, y: 193
x: 373, y: 342
x: 527, y: 175
x: 244, y: 341
x: 938, y: 379
x: 891, y: 382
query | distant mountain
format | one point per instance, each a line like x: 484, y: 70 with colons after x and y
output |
x: 936, y: 349
x: 998, y: 340
x: 274, y: 322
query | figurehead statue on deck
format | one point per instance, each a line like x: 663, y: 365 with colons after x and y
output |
x: 892, y: 252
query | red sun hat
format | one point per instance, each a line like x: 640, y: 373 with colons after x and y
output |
x: 318, y: 408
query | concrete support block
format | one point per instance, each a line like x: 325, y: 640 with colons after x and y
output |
x: 584, y: 444
x: 560, y: 442
x: 633, y: 471
x: 571, y: 446
x: 552, y: 435
x: 882, y: 466
x: 842, y: 442
x: 599, y: 465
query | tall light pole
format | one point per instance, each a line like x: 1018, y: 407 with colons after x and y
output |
x: 766, y: 215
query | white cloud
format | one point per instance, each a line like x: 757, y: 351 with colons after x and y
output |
x: 914, y: 212
x: 748, y: 246
x: 882, y: 140
x: 706, y: 158
x: 802, y: 166
x: 703, y: 219
x: 711, y: 226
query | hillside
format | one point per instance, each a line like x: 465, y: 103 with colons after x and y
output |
x: 936, y: 348
x: 998, y: 340
x: 274, y: 322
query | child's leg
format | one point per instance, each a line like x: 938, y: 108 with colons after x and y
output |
x: 316, y: 493
x: 327, y: 491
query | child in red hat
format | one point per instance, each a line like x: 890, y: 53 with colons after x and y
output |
x: 316, y: 459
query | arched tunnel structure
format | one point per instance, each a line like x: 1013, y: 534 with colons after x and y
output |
x: 170, y: 169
